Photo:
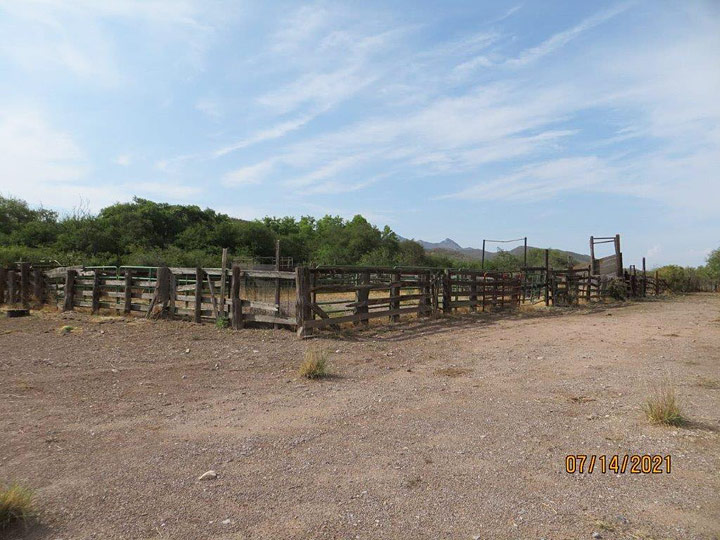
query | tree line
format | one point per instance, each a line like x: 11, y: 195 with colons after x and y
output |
x: 147, y: 233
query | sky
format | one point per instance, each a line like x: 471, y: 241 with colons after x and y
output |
x: 463, y: 119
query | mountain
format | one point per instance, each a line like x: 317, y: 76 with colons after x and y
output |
x: 451, y: 248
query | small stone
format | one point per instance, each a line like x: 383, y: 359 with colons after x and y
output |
x: 209, y: 475
x: 102, y: 331
x: 114, y: 370
x: 540, y: 357
x: 184, y: 376
x: 226, y: 522
x: 596, y: 535
x: 187, y: 351
x: 255, y: 351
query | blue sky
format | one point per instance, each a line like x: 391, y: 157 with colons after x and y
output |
x: 555, y: 120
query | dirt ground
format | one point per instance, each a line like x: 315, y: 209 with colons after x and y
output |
x: 435, y: 429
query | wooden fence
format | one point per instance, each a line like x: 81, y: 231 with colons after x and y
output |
x: 308, y: 298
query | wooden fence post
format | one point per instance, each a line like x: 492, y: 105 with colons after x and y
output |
x: 547, y: 277
x: 447, y: 291
x: 198, y: 293
x: 127, y: 308
x: 277, y: 282
x: 38, y: 286
x: 473, y: 293
x: 395, y: 294
x: 69, y: 290
x: 362, y: 296
x: 589, y: 284
x: 96, y: 292
x: 644, y: 278
x: 24, y: 283
x: 3, y: 282
x: 657, y: 283
x: 223, y: 281
x: 237, y: 316
x: 302, y: 310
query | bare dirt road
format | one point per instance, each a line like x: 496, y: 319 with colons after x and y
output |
x: 431, y: 430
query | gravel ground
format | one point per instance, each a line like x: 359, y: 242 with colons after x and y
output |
x: 434, y: 429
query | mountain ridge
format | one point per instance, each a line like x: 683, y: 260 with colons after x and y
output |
x: 451, y: 248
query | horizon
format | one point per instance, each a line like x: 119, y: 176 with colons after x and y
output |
x: 498, y: 120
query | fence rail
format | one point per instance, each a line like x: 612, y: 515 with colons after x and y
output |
x: 309, y: 299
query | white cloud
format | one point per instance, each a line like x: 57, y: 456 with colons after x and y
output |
x: 274, y: 132
x: 251, y: 174
x: 124, y: 160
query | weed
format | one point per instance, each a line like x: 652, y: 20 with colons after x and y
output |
x: 314, y: 365
x: 15, y: 505
x: 66, y: 329
x: 222, y: 322
x: 662, y: 406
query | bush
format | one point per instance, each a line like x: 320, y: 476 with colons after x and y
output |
x: 314, y: 365
x: 617, y: 289
x: 662, y: 406
x: 15, y: 505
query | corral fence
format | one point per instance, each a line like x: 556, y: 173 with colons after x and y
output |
x: 309, y: 298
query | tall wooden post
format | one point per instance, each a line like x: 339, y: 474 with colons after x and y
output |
x: 277, y: 282
x: 3, y: 283
x: 96, y: 292
x: 237, y: 316
x: 657, y: 282
x: 303, y: 310
x: 618, y: 256
x: 362, y: 296
x: 447, y: 290
x: 644, y: 278
x: 482, y: 264
x: 592, y: 254
x: 223, y: 281
x: 127, y: 307
x: 473, y: 291
x: 395, y: 295
x: 198, y: 294
x: 525, y: 252
x: 12, y: 287
x: 547, y: 277
x: 24, y: 284
x: 69, y: 290
x: 588, y: 292
x: 38, y: 286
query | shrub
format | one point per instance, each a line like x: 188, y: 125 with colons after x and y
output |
x: 662, y: 406
x: 617, y: 289
x: 15, y: 505
x: 314, y: 365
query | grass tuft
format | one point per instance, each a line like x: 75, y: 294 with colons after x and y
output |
x: 66, y: 329
x: 16, y: 505
x: 222, y: 322
x: 662, y: 407
x: 314, y: 365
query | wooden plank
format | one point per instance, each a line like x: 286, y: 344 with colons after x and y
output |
x: 395, y: 295
x: 303, y: 311
x: 270, y: 274
x: 321, y: 323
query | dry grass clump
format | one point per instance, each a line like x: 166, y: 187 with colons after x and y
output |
x: 65, y: 329
x: 706, y: 382
x: 314, y: 365
x: 662, y: 407
x: 15, y: 505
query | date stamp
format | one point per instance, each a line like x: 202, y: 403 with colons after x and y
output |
x: 618, y: 464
